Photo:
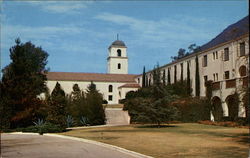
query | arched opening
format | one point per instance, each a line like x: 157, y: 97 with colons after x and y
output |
x: 110, y: 88
x: 217, y: 110
x: 233, y: 106
x: 243, y: 71
x: 119, y: 66
x: 119, y: 52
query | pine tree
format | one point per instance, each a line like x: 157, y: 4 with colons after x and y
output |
x: 77, y: 104
x: 94, y: 99
x: 197, y: 78
x: 188, y: 80
x: 57, y: 106
x: 23, y: 80
x: 144, y: 78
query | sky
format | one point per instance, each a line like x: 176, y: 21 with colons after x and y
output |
x: 77, y: 34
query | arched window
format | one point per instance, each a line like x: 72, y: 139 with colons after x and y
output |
x: 119, y: 52
x: 243, y: 71
x: 119, y: 66
x: 110, y: 88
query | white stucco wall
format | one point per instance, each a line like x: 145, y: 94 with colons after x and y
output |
x: 101, y: 86
x: 214, y: 66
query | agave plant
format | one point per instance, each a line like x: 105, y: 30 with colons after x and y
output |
x: 84, y: 121
x: 39, y: 122
x: 69, y: 121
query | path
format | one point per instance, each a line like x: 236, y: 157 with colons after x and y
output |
x: 45, y: 146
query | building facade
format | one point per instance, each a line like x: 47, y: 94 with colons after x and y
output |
x: 223, y: 60
x: 113, y: 85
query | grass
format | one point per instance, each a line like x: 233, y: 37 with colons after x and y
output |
x: 178, y: 140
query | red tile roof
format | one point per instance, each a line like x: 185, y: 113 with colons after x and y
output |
x: 130, y: 85
x: 95, y: 77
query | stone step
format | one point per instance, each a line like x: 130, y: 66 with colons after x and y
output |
x: 116, y: 116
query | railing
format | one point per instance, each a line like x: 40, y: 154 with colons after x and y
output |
x: 245, y: 81
x: 231, y: 83
x: 216, y: 85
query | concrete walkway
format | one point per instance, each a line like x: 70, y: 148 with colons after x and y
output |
x: 56, y: 146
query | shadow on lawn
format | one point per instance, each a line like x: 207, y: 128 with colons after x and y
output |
x: 155, y: 126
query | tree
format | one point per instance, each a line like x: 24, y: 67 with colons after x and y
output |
x: 197, y: 77
x: 57, y: 106
x: 175, y: 74
x: 96, y: 115
x: 23, y: 80
x: 181, y: 72
x: 188, y: 80
x: 181, y: 53
x: 164, y: 77
x: 144, y: 78
x: 77, y: 104
x: 169, y: 77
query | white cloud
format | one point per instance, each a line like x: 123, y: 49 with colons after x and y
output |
x: 61, y: 6
x: 152, y: 32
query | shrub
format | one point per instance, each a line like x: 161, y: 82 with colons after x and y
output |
x: 192, y: 109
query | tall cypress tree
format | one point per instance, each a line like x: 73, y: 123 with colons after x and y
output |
x: 169, y: 77
x: 197, y: 77
x: 181, y: 72
x: 144, y: 78
x: 175, y: 74
x: 164, y: 77
x: 188, y: 80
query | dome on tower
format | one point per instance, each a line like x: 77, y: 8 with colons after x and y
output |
x: 118, y: 43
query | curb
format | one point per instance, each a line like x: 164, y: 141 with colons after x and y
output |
x: 116, y: 148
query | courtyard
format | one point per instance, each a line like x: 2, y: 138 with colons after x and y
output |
x: 175, y: 140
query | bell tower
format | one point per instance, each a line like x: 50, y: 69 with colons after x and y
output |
x: 117, y: 58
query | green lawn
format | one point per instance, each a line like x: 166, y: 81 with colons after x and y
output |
x: 178, y: 140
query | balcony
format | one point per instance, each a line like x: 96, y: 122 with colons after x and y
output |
x: 245, y: 82
x: 216, y: 85
x: 231, y: 83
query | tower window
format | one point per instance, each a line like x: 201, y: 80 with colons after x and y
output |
x: 110, y: 98
x: 119, y: 66
x: 119, y: 53
x: 110, y: 88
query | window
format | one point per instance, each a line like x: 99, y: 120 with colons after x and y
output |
x: 119, y: 52
x: 226, y: 54
x: 110, y: 98
x: 205, y: 61
x: 242, y: 49
x: 215, y: 76
x: 205, y: 79
x: 226, y: 75
x: 110, y: 88
x: 216, y: 55
x: 138, y: 80
x: 119, y: 66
